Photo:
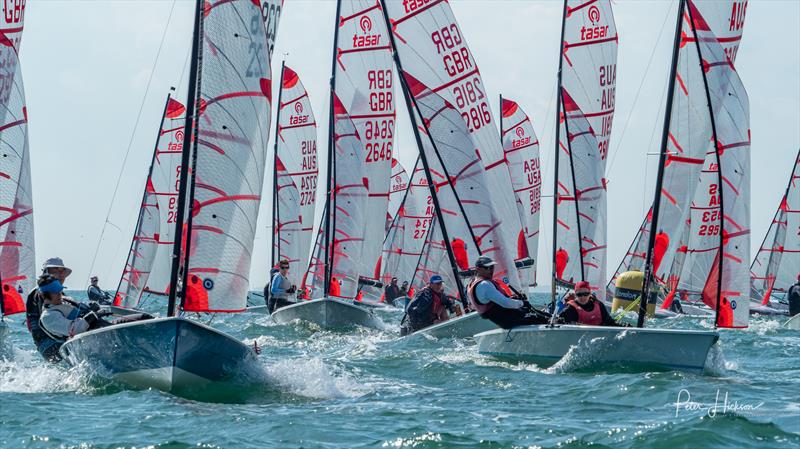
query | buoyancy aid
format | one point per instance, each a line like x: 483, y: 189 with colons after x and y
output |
x: 482, y: 309
x: 593, y: 317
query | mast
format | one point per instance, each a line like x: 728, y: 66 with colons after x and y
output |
x: 412, y: 106
x: 189, y: 127
x: 553, y: 275
x: 648, y: 265
x: 331, y: 209
x: 276, y: 229
x: 720, y: 258
x: 144, y: 192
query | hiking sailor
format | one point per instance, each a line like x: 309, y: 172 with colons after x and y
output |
x: 492, y: 303
x: 793, y: 297
x: 61, y: 320
x: 95, y: 293
x: 46, y: 346
x: 281, y: 288
x: 585, y: 309
x: 429, y: 306
x: 392, y: 291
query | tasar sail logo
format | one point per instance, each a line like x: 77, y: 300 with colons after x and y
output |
x: 596, y: 30
x: 365, y: 39
x: 298, y: 119
x: 523, y: 139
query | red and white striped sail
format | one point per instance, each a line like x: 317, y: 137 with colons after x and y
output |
x: 433, y: 50
x: 17, y: 258
x: 364, y: 77
x: 234, y: 86
x: 521, y: 148
x: 777, y: 263
x: 398, y: 185
x: 433, y: 261
x: 164, y: 180
x: 150, y: 243
x: 349, y: 203
x: 297, y: 170
x: 466, y: 199
x: 588, y: 89
x: 720, y: 208
x: 633, y: 260
x: 409, y: 230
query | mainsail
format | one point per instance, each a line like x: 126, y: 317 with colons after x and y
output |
x: 397, y: 190
x: 363, y: 81
x: 521, y: 148
x: 231, y: 129
x: 295, y: 175
x: 17, y: 259
x: 148, y: 260
x: 706, y: 115
x: 441, y: 71
x: 777, y: 263
x: 433, y: 260
x: 587, y: 88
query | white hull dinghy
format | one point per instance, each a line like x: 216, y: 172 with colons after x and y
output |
x: 464, y: 326
x: 769, y: 311
x: 677, y: 349
x: 328, y: 313
x: 793, y: 323
x: 174, y: 354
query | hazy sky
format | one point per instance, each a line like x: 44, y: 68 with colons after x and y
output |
x: 86, y: 66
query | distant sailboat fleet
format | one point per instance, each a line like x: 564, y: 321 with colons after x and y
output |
x: 475, y: 191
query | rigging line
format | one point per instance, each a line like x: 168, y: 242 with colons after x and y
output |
x: 133, y: 135
x: 618, y: 146
x: 547, y: 117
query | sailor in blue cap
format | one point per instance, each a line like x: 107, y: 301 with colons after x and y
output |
x: 429, y: 306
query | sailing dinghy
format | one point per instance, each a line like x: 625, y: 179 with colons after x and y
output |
x: 227, y: 121
x: 712, y: 98
x: 776, y: 266
x: 17, y: 271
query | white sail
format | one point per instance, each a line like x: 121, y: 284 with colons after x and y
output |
x: 434, y: 261
x: 588, y: 88
x: 521, y: 148
x: 364, y: 76
x: 17, y: 257
x: 234, y: 87
x: 398, y: 185
x: 296, y: 171
x: 433, y: 50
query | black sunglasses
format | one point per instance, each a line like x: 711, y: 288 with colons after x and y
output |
x: 582, y: 294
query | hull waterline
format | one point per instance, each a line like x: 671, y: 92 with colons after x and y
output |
x: 328, y: 313
x: 175, y: 355
x: 464, y: 326
x: 672, y: 349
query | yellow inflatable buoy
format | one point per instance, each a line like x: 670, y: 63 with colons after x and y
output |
x: 628, y: 287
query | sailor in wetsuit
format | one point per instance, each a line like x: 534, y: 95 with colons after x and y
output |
x: 95, y: 293
x: 61, y: 320
x: 281, y: 288
x: 492, y: 303
x: 46, y: 345
x: 793, y: 297
x: 585, y: 309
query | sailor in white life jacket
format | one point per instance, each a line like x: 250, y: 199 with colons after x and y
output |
x: 583, y: 308
x: 281, y: 288
x: 493, y: 304
x: 60, y: 319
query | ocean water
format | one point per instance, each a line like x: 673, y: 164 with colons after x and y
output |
x: 370, y: 389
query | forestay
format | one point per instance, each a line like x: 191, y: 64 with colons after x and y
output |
x: 434, y: 51
x: 17, y: 258
x: 719, y: 246
x: 363, y: 74
x: 296, y: 171
x: 233, y: 111
x: 588, y: 87
x: 521, y: 148
x: 777, y: 263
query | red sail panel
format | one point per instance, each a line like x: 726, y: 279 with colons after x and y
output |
x: 521, y: 148
x: 297, y: 170
x: 17, y: 257
x: 588, y: 89
x: 231, y: 149
x: 364, y: 74
x: 434, y: 51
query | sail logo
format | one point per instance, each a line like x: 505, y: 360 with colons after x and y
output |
x: 366, y: 39
x: 520, y: 132
x: 596, y: 31
x: 298, y: 119
x: 523, y: 139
